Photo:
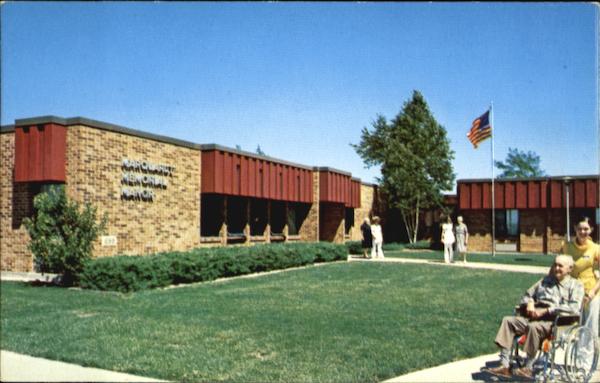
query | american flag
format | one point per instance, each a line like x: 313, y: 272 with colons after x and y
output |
x: 480, y: 130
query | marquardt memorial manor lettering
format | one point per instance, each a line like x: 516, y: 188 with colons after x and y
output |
x: 142, y: 178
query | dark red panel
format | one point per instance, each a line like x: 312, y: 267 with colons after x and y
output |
x: 354, y: 195
x: 556, y: 194
x: 592, y: 192
x: 578, y: 190
x: 464, y: 192
x: 208, y: 172
x: 486, y: 195
x: 236, y: 174
x: 252, y: 177
x: 544, y: 187
x: 521, y: 195
x: 40, y: 153
x: 476, y: 196
x: 334, y: 187
x: 499, y: 190
x: 244, y: 168
x: 509, y: 195
x: 533, y: 195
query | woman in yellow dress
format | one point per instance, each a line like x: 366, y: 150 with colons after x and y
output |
x: 586, y: 255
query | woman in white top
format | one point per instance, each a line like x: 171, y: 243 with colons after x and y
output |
x: 376, y: 251
x: 448, y: 240
x: 462, y: 238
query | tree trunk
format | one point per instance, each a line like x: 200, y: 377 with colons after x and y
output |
x: 406, y: 225
x: 416, y: 226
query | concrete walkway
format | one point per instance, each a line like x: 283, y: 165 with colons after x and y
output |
x: 470, y: 265
x: 23, y: 368
x: 468, y: 370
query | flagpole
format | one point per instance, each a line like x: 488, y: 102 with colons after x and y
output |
x: 493, y: 176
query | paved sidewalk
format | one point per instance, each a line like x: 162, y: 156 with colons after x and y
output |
x: 23, y: 368
x: 468, y: 370
x: 469, y: 265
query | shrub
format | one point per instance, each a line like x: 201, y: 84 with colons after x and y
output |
x: 419, y: 245
x: 62, y: 236
x: 132, y: 273
x: 354, y: 247
x: 394, y: 246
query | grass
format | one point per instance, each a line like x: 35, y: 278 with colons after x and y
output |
x: 345, y: 322
x: 523, y: 259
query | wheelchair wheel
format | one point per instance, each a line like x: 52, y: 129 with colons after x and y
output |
x: 581, y: 355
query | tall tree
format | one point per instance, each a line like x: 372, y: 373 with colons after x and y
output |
x: 415, y: 158
x: 520, y: 164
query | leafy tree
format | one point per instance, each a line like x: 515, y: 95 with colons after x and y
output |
x: 415, y: 158
x: 520, y: 164
x: 62, y: 236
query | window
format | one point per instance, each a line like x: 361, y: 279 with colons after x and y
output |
x: 211, y: 216
x: 297, y: 213
x: 507, y: 223
x: 349, y: 221
x: 23, y: 196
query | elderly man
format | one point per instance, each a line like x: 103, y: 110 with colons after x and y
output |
x: 555, y: 293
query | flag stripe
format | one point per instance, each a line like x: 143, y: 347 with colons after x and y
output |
x: 480, y: 129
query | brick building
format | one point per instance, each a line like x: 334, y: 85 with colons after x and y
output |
x: 164, y: 194
x: 530, y: 214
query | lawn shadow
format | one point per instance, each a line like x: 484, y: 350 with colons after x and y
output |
x: 54, y: 282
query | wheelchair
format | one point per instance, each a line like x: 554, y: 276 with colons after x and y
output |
x: 570, y: 342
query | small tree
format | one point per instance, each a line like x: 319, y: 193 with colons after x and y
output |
x: 62, y: 236
x: 520, y: 164
x: 415, y: 158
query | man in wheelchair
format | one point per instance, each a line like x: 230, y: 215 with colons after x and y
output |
x: 556, y: 293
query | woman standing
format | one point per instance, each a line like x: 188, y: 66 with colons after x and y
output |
x: 367, y: 237
x: 448, y: 240
x: 377, y: 251
x: 586, y: 255
x: 462, y: 238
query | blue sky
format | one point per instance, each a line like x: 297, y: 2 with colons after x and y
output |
x: 302, y: 79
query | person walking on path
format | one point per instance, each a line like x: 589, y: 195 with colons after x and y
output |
x: 367, y: 237
x: 448, y: 240
x: 462, y: 238
x: 377, y: 250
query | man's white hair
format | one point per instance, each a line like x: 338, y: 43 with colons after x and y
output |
x: 566, y: 258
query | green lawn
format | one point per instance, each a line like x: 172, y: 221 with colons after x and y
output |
x: 525, y: 259
x: 344, y: 322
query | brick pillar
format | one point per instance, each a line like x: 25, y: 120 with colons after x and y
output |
x: 268, y: 226
x: 223, y: 232
x: 247, y: 227
x: 309, y: 231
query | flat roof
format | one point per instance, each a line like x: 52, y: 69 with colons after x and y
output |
x: 156, y: 137
x: 546, y: 178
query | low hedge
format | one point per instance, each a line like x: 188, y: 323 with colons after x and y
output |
x: 133, y: 273
x: 419, y: 245
x: 354, y: 247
